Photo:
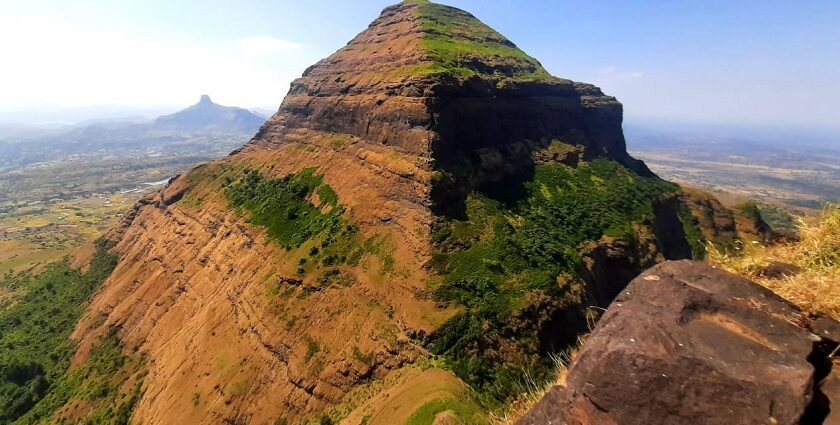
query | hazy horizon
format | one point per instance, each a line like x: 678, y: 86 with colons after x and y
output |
x: 57, y: 118
x: 751, y: 63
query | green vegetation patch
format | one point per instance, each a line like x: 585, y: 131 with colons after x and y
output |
x: 691, y: 228
x: 519, y: 241
x: 312, y: 348
x: 463, y: 413
x: 283, y: 206
x: 750, y: 210
x: 778, y: 218
x: 97, y: 382
x: 366, y: 359
x: 35, y: 348
x: 462, y: 46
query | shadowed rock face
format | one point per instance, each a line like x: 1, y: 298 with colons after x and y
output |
x: 689, y: 344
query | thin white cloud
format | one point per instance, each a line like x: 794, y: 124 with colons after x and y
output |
x: 266, y: 44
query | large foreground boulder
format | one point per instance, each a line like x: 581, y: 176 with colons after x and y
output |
x: 686, y: 343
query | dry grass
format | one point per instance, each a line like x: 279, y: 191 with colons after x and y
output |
x: 533, y: 392
x: 816, y: 285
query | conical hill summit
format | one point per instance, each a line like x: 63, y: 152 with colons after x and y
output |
x: 426, y: 220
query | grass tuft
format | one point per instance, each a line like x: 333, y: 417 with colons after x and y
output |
x: 460, y: 45
x: 534, y: 391
x: 813, y: 280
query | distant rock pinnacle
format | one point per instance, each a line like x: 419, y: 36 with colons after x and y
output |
x: 206, y: 115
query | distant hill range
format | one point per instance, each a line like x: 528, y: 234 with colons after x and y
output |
x: 205, y: 125
x: 206, y: 115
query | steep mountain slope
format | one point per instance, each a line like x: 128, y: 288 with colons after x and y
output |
x: 206, y: 115
x: 427, y: 196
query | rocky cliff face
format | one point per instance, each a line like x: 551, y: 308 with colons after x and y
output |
x: 427, y: 188
x: 687, y: 343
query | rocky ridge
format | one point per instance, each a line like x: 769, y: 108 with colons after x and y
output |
x: 686, y: 343
x: 402, y: 132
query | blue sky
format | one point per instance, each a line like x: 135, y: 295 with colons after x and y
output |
x: 756, y: 62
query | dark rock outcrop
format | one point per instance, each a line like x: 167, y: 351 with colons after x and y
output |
x: 686, y: 343
x: 611, y: 263
x: 670, y: 229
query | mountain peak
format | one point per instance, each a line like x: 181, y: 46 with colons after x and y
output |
x: 206, y: 115
x: 427, y: 154
x: 459, y: 44
x: 424, y: 41
x: 444, y: 68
